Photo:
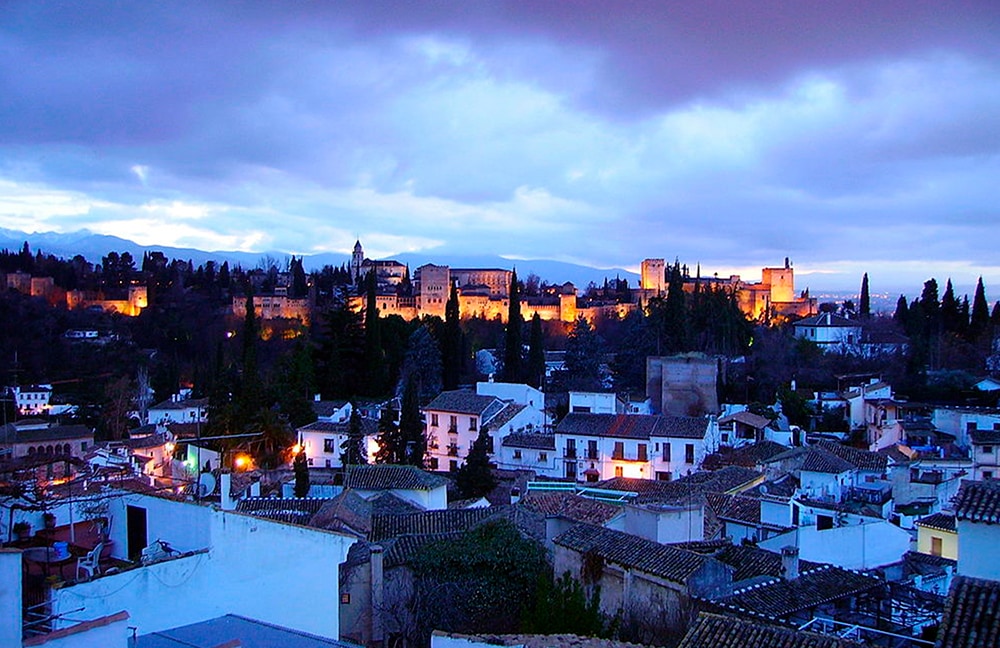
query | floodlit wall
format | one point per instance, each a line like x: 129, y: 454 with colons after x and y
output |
x: 278, y: 573
x: 977, y: 546
x: 858, y: 546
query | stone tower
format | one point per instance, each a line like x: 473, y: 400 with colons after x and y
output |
x: 357, y: 258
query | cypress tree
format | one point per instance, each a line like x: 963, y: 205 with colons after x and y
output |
x: 675, y: 312
x: 475, y: 478
x: 411, y: 426
x: 451, y: 352
x: 536, y: 353
x: 353, y: 449
x: 391, y: 447
x: 980, y: 317
x: 300, y: 466
x: 902, y: 313
x: 951, y: 319
x: 375, y: 369
x: 513, y: 371
x: 865, y: 305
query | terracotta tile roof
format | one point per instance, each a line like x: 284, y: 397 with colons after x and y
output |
x: 433, y: 522
x: 716, y: 631
x: 296, y: 510
x: 784, y: 486
x: 150, y: 441
x: 972, y: 614
x: 736, y: 508
x: 667, y: 562
x: 940, y: 521
x: 541, y: 641
x: 760, y: 452
x: 728, y: 479
x: 327, y: 408
x: 985, y: 437
x: 368, y: 427
x: 978, y: 501
x: 780, y: 598
x: 752, y: 562
x: 11, y: 434
x: 747, y: 418
x: 822, y: 461
x: 504, y: 416
x: 828, y: 320
x: 388, y: 477
x: 633, y: 426
x: 570, y: 506
x: 465, y: 402
x: 860, y: 459
x: 535, y: 441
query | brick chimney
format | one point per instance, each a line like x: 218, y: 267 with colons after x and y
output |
x: 378, y: 594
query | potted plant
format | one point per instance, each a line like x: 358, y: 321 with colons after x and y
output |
x: 22, y: 530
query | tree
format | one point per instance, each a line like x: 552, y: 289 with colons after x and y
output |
x: 980, y: 317
x: 411, y: 425
x: 340, y: 352
x: 451, y: 343
x: 118, y: 404
x: 584, y: 349
x: 475, y: 477
x: 301, y: 469
x: 423, y: 358
x: 374, y: 355
x: 391, y: 445
x: 353, y: 449
x: 250, y: 398
x: 513, y: 371
x: 563, y: 607
x: 865, y: 307
x: 536, y: 354
x: 296, y: 385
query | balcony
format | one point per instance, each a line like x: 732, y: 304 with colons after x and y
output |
x: 591, y: 455
x: 570, y: 453
x: 453, y: 451
x: 453, y: 429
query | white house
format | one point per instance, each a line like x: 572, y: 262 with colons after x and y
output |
x: 221, y: 563
x: 323, y: 441
x: 985, y: 453
x: 178, y: 410
x: 426, y: 490
x: 31, y: 400
x: 593, y: 447
x: 831, y: 332
x: 596, y: 403
x: 454, y: 420
x: 977, y: 516
x: 960, y: 422
x: 514, y: 392
x: 529, y: 451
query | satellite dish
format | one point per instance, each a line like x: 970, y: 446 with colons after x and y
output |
x: 206, y: 484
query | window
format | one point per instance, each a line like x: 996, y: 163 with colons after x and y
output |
x: 328, y: 463
x: 619, y: 451
x: 988, y: 449
x: 345, y: 598
x: 689, y: 453
x: 970, y: 426
x: 666, y: 451
x: 824, y: 522
x: 619, y: 472
x: 453, y: 424
x: 543, y: 457
x: 591, y: 449
x: 987, y: 474
x: 935, y: 546
x: 517, y: 454
x: 571, y: 448
x: 453, y: 465
x: 581, y: 409
x: 329, y: 445
x: 642, y: 453
x: 432, y: 463
x: 434, y: 420
x: 662, y: 476
x: 83, y: 446
x: 472, y: 424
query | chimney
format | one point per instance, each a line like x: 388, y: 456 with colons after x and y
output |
x: 378, y: 594
x: 225, y: 491
x: 515, y: 495
x: 789, y: 562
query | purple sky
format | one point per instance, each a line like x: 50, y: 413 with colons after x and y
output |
x: 850, y: 136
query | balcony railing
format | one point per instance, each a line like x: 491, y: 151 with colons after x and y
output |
x: 452, y: 451
x: 453, y: 429
x: 570, y: 453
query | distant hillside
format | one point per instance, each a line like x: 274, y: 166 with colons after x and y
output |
x: 94, y: 246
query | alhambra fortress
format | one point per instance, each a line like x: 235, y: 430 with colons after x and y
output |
x: 484, y: 292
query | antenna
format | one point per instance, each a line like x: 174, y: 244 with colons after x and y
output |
x: 205, y: 485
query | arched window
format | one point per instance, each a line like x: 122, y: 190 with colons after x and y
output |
x: 66, y: 449
x: 48, y: 450
x: 31, y: 450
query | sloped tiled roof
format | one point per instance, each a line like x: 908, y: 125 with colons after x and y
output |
x: 821, y: 461
x: 465, y: 402
x: 728, y: 479
x: 747, y: 418
x: 752, y: 562
x: 760, y: 452
x: 571, y: 506
x: 828, y: 320
x: 348, y: 511
x: 781, y: 598
x: 536, y: 441
x: 670, y: 563
x: 189, y: 403
x: 149, y: 441
x: 11, y: 434
x: 860, y: 459
x: 985, y: 437
x: 717, y: 631
x: 504, y: 416
x: 297, y: 510
x: 971, y: 615
x: 433, y: 522
x: 368, y: 427
x: 940, y: 521
x: 737, y: 508
x: 633, y: 426
x: 327, y: 408
x: 388, y: 476
x: 978, y: 501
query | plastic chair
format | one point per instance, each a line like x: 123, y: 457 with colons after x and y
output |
x: 91, y: 562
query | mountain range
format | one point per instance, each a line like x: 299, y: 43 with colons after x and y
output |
x: 94, y: 246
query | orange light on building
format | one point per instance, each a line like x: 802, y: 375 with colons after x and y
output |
x: 241, y: 462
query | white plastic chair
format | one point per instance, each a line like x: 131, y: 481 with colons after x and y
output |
x: 91, y: 562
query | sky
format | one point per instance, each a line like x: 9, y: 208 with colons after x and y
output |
x: 849, y: 136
